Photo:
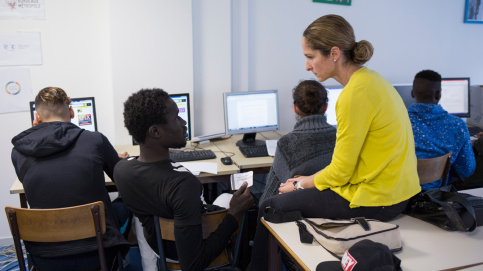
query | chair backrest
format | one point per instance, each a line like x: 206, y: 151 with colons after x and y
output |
x: 57, y: 225
x: 209, y: 223
x: 433, y: 169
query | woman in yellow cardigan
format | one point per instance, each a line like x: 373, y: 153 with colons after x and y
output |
x: 373, y: 171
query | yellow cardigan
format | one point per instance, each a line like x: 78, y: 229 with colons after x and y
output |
x: 374, y: 161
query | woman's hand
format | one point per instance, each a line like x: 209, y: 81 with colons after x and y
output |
x: 305, y: 182
x: 289, y: 185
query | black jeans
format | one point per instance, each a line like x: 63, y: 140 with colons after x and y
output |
x: 313, y: 203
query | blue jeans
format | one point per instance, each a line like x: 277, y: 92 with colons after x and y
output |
x: 313, y: 203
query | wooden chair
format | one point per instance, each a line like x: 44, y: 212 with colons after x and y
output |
x: 209, y: 223
x: 433, y: 169
x: 58, y: 225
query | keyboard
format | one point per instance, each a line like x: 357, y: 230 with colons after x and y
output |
x: 474, y: 130
x: 183, y: 156
x: 254, y: 151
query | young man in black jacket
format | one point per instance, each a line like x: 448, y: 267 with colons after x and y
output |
x: 153, y: 184
x: 67, y: 166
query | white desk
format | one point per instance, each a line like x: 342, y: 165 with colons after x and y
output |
x: 221, y: 176
x: 425, y: 247
x: 254, y: 163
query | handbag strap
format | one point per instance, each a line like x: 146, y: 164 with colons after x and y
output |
x: 451, y: 211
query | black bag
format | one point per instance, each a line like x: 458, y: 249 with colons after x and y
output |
x: 447, y: 209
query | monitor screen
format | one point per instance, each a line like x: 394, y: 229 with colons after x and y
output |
x: 455, y: 96
x: 333, y: 95
x: 251, y: 112
x: 404, y: 91
x: 183, y: 103
x: 84, y: 113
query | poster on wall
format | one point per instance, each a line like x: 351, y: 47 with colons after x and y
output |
x: 16, y: 90
x: 20, y: 49
x: 22, y: 9
x: 474, y: 12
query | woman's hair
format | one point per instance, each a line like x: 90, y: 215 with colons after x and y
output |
x: 143, y: 109
x: 310, y: 97
x: 333, y: 30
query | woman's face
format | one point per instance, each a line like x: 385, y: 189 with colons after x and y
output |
x: 322, y: 66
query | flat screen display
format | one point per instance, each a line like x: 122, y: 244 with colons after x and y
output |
x: 455, y: 96
x: 333, y: 94
x: 183, y: 103
x: 84, y: 113
x: 251, y: 112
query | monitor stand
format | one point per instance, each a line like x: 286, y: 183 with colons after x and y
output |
x: 249, y: 140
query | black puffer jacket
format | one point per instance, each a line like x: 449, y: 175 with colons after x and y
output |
x: 68, y: 170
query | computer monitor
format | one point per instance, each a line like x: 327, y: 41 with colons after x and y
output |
x: 404, y: 91
x: 84, y: 113
x: 249, y: 113
x: 183, y: 103
x: 333, y: 94
x: 455, y: 96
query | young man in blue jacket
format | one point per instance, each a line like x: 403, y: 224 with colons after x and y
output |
x: 435, y: 131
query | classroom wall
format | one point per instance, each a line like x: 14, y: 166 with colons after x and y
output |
x: 109, y: 49
x: 76, y: 56
x: 408, y: 36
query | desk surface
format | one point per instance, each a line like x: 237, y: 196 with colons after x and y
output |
x: 229, y: 146
x: 425, y: 247
x: 218, y: 147
x: 17, y: 187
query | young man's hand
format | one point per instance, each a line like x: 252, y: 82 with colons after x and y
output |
x: 240, y: 202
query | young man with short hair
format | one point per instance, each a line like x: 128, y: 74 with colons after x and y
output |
x: 152, y: 184
x: 435, y: 131
x: 61, y: 165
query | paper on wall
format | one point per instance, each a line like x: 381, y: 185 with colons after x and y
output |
x: 22, y: 9
x: 20, y: 49
x: 15, y: 90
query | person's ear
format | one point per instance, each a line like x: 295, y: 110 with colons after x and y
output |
x: 155, y: 131
x: 296, y: 110
x: 412, y: 93
x: 37, y: 120
x: 335, y: 53
x: 71, y: 112
x: 324, y: 108
x: 437, y: 95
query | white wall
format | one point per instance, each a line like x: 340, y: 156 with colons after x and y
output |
x: 408, y: 36
x: 211, y: 63
x: 76, y: 57
x: 151, y: 47
x: 112, y: 48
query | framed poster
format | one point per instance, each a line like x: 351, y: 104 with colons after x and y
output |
x: 338, y: 2
x: 474, y: 12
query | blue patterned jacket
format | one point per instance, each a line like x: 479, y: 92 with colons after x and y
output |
x: 436, y: 133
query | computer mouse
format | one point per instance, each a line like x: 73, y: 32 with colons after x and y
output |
x: 226, y: 160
